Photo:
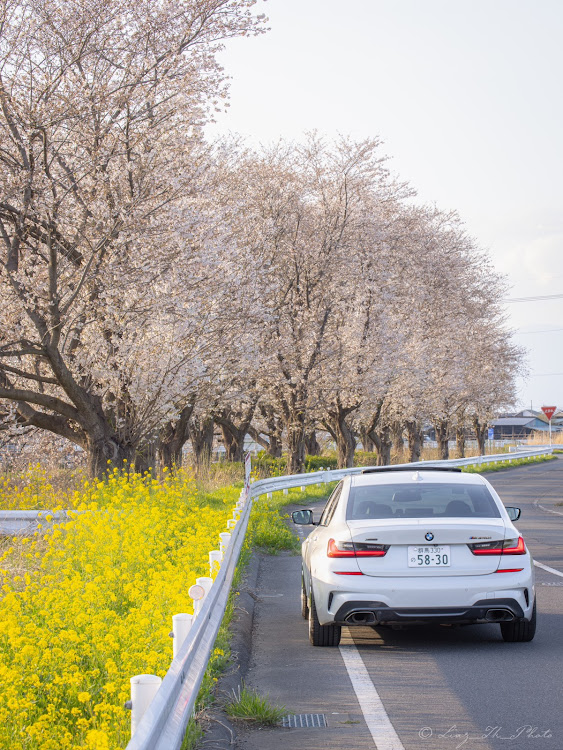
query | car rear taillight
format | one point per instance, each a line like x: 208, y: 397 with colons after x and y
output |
x: 348, y: 573
x: 355, y: 549
x: 510, y: 570
x: 502, y: 547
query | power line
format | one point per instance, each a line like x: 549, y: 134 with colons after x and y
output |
x: 546, y: 330
x: 538, y: 298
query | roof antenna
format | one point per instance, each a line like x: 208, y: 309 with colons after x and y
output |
x: 416, y: 477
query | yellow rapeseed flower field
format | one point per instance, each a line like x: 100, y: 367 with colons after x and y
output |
x: 95, y: 605
x: 36, y: 489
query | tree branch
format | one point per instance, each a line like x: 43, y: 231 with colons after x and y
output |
x: 41, y: 399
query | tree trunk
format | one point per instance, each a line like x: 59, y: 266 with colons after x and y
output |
x: 105, y: 454
x: 271, y: 444
x: 383, y: 444
x: 233, y: 432
x: 380, y: 434
x: 367, y: 443
x: 460, y: 441
x: 201, y: 436
x: 275, y: 448
x: 312, y: 446
x: 481, y: 430
x: 169, y: 455
x: 296, y: 444
x: 398, y: 443
x: 346, y: 445
x: 336, y: 424
x: 442, y: 432
x: 172, y: 438
x: 83, y: 421
x: 414, y: 436
x: 145, y: 457
x: 233, y: 440
x: 274, y: 425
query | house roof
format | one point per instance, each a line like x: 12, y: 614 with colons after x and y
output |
x: 531, y: 423
x: 513, y: 421
x: 529, y: 413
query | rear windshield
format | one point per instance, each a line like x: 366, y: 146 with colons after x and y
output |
x: 429, y: 501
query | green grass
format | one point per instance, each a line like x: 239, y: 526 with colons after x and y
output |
x: 268, y: 530
x: 499, y: 465
x: 248, y: 705
x: 193, y: 735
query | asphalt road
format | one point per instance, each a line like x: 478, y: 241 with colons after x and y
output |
x: 429, y: 688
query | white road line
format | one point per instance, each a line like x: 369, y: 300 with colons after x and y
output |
x: 379, y: 724
x: 383, y: 732
x: 547, y: 510
x: 549, y: 570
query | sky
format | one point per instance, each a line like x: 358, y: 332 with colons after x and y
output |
x: 467, y: 98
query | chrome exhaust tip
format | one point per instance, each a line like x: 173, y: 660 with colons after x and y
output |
x: 499, y: 615
x: 361, y: 618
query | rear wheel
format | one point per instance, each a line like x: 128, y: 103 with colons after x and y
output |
x: 519, y: 631
x: 304, y: 602
x: 322, y: 635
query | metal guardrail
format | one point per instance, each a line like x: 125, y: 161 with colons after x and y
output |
x: 553, y: 447
x: 163, y: 725
x: 275, y: 484
x: 26, y: 522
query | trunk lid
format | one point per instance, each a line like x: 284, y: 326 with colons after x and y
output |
x: 454, y: 534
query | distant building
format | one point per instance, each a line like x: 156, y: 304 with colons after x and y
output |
x: 520, y: 427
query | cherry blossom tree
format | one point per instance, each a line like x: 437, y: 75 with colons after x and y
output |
x: 156, y: 286
x: 305, y: 211
x: 105, y: 251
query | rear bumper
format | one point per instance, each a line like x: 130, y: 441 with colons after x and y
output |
x: 461, y: 599
x: 372, y: 613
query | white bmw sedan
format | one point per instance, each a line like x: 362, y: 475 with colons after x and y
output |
x: 404, y: 545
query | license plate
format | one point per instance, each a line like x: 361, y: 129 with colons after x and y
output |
x: 429, y: 556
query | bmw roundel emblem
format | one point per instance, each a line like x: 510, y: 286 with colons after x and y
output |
x: 429, y: 536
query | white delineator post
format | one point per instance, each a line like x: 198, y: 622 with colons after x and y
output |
x: 247, y: 473
x: 181, y: 624
x: 143, y: 689
x: 225, y: 538
x: 196, y: 592
x: 214, y: 560
x: 206, y: 582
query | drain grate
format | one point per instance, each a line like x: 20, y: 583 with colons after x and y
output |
x: 305, y: 721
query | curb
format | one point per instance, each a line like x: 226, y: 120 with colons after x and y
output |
x: 219, y: 732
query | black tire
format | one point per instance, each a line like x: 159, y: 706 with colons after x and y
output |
x: 304, y: 602
x: 322, y: 635
x: 521, y: 630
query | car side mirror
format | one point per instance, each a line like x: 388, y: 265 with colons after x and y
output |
x: 513, y: 513
x: 303, y: 517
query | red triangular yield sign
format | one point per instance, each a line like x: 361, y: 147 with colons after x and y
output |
x: 549, y: 411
